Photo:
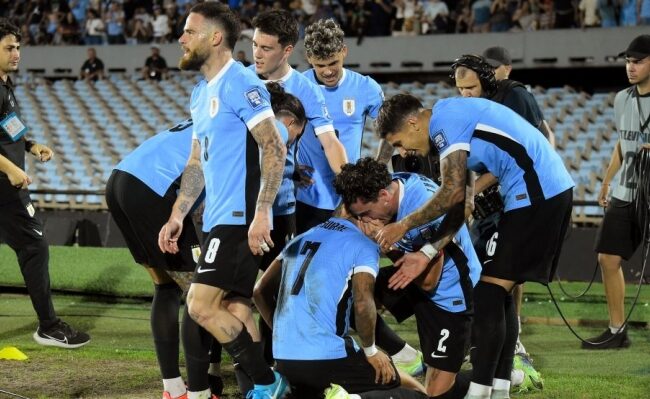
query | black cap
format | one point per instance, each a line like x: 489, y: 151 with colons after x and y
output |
x: 497, y: 56
x: 639, y: 48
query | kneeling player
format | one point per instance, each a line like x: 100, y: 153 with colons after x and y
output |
x: 321, y: 275
x: 443, y: 302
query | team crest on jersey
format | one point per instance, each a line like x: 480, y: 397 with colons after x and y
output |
x: 196, y: 253
x: 439, y: 140
x: 214, y: 106
x: 348, y: 106
x: 254, y: 98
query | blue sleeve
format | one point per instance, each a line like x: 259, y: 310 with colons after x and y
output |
x: 313, y: 100
x: 249, y: 99
x: 452, y: 126
x: 375, y: 97
x: 366, y: 257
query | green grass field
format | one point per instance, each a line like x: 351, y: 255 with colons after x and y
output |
x: 120, y: 361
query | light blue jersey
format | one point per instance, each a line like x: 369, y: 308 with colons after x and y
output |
x: 311, y: 321
x: 285, y: 201
x: 160, y: 160
x: 224, y: 111
x: 349, y: 103
x: 501, y: 142
x: 461, y: 269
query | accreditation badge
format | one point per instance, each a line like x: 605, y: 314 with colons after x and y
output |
x: 13, y: 126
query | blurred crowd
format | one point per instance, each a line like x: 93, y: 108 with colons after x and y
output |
x: 96, y: 22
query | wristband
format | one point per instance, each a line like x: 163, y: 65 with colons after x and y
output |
x: 29, y: 144
x: 429, y: 251
x: 370, y: 351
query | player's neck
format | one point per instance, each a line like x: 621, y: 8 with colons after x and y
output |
x: 213, y: 65
x: 4, y: 76
x: 644, y: 87
x: 279, y: 73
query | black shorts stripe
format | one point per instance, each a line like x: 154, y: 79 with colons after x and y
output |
x: 342, y: 312
x: 253, y: 175
x: 459, y: 258
x: 521, y: 157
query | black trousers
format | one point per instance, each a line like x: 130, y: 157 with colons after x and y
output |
x: 23, y: 232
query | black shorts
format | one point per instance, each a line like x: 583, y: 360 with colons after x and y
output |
x: 620, y: 232
x: 527, y: 243
x: 309, y: 378
x: 227, y: 262
x: 140, y: 213
x: 481, y: 231
x: 284, y: 228
x: 308, y: 216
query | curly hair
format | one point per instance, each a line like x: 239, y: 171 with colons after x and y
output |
x: 278, y: 23
x: 223, y: 16
x: 7, y: 28
x: 323, y: 39
x: 285, y: 103
x: 362, y: 180
x: 394, y: 112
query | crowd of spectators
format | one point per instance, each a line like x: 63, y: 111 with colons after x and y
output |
x: 96, y: 22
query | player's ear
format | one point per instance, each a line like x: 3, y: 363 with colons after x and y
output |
x: 217, y: 38
x: 289, y: 49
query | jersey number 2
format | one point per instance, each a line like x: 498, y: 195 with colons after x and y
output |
x: 309, y: 248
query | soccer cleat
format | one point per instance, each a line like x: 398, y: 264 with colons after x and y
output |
x: 533, y: 380
x: 61, y: 335
x: 607, y: 340
x: 278, y: 390
x: 413, y: 368
x: 167, y: 395
x: 336, y: 392
x: 517, y: 377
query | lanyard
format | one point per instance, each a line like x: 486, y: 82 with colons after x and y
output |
x: 643, y: 126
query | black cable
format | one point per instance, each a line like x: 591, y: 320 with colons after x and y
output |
x: 15, y: 395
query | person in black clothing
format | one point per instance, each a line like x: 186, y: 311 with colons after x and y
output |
x: 19, y: 227
x: 155, y: 66
x: 92, y: 68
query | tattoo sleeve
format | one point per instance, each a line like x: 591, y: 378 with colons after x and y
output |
x: 274, y: 153
x: 365, y: 311
x: 451, y: 193
x: 385, y: 152
x: 192, y: 181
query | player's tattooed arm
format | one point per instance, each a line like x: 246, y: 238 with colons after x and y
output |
x: 274, y: 153
x: 192, y: 181
x: 365, y: 311
x: 385, y: 152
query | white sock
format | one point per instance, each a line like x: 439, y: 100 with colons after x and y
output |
x: 199, y: 395
x: 215, y: 369
x: 519, y: 324
x: 175, y: 386
x: 614, y: 330
x: 406, y: 355
x: 501, y: 385
x: 479, y: 390
x: 353, y: 396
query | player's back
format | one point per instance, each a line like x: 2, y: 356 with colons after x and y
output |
x: 311, y: 320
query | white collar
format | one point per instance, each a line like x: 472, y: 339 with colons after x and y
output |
x: 222, y: 72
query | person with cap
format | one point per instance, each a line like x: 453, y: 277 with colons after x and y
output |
x: 499, y: 58
x: 155, y: 66
x: 621, y: 232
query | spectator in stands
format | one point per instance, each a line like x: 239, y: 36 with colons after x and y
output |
x: 464, y: 20
x: 115, y: 22
x: 621, y: 231
x: 241, y: 57
x: 499, y: 16
x: 78, y: 9
x: 480, y: 20
x: 643, y: 11
x: 160, y: 25
x: 92, y: 68
x: 140, y: 27
x: 564, y: 14
x: 69, y: 29
x: 589, y: 14
x: 19, y: 227
x: 435, y: 17
x: 524, y: 19
x: 607, y: 10
x: 94, y: 28
x: 547, y: 14
x: 52, y: 33
x: 359, y: 19
x: 628, y: 13
x: 155, y: 66
x: 381, y: 12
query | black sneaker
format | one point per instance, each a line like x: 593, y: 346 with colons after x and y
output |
x: 61, y: 335
x: 607, y: 340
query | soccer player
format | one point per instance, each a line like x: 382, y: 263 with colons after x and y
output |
x: 274, y: 38
x: 443, y: 306
x: 483, y: 136
x: 19, y: 227
x: 322, y: 275
x: 238, y: 155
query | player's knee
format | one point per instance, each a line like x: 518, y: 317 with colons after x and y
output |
x: 199, y: 309
x: 439, y: 382
x: 609, y: 262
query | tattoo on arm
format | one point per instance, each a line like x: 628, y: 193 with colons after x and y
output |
x: 365, y: 311
x: 274, y: 153
x: 451, y: 193
x: 385, y: 152
x: 192, y: 182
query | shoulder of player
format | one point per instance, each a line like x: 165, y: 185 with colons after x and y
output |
x: 625, y: 94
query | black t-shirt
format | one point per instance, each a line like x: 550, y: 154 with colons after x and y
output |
x: 12, y: 150
x: 514, y: 95
x: 90, y: 66
x: 155, y: 66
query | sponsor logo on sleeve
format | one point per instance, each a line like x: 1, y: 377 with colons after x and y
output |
x: 439, y: 140
x: 254, y: 98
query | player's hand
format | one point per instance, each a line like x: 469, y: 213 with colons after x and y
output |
x: 603, y: 194
x: 370, y: 228
x: 409, y: 267
x: 304, y: 176
x: 259, y: 233
x: 18, y: 178
x: 390, y: 234
x: 169, y: 234
x: 42, y: 152
x: 384, y: 370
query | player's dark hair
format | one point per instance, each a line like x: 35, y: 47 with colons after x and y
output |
x: 394, y: 112
x: 285, y: 103
x: 7, y: 28
x: 479, y: 65
x: 362, y: 180
x: 323, y: 39
x: 278, y: 23
x: 223, y: 16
